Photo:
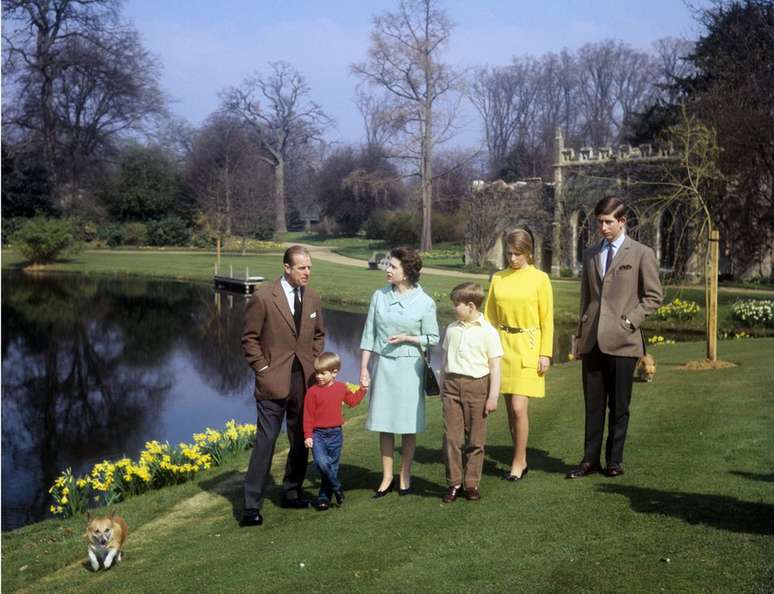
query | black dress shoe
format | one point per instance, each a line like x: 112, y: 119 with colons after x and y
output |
x: 339, y: 495
x: 297, y: 503
x: 251, y: 518
x: 614, y: 470
x: 583, y: 469
x: 377, y: 494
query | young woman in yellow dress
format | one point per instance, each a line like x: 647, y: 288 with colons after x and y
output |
x: 520, y: 305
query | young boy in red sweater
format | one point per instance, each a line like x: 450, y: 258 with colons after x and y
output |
x: 322, y: 424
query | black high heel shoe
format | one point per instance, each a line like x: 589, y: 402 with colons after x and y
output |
x: 407, y: 491
x: 512, y: 477
x: 378, y: 494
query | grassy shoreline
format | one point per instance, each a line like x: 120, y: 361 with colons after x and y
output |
x: 694, y: 512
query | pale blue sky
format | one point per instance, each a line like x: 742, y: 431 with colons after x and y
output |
x: 206, y: 46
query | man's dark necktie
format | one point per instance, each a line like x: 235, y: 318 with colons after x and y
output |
x: 297, y: 309
x: 609, y: 259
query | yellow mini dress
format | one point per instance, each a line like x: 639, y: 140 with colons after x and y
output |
x: 522, y: 299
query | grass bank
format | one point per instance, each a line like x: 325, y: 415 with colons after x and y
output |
x: 350, y: 287
x: 444, y: 255
x: 693, y: 513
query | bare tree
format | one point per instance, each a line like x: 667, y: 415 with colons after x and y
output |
x: 79, y: 80
x: 505, y: 98
x: 485, y: 209
x: 378, y: 121
x: 283, y: 119
x: 227, y: 176
x: 671, y: 55
x: 614, y: 82
x: 404, y: 62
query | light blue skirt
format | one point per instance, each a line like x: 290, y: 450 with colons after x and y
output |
x: 396, y: 396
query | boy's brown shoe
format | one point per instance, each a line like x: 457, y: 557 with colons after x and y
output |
x: 472, y: 494
x: 451, y: 494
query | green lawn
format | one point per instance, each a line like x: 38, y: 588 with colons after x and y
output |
x: 693, y: 513
x: 443, y: 255
x: 351, y: 287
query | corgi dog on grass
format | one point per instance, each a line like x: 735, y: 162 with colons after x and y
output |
x: 645, y: 370
x: 105, y: 536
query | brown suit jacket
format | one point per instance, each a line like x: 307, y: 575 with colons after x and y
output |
x: 270, y: 339
x: 631, y: 289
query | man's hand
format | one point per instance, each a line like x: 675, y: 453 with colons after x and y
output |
x: 490, y: 406
x: 308, y: 442
x: 575, y: 347
x: 543, y: 364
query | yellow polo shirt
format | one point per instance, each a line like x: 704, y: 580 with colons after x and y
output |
x: 468, y: 346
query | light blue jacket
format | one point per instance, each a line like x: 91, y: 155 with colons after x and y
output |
x: 392, y: 313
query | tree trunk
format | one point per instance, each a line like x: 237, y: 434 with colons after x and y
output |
x: 426, y: 241
x: 227, y: 205
x: 280, y: 226
x: 712, y: 305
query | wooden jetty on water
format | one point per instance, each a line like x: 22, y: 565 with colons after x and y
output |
x: 236, y: 284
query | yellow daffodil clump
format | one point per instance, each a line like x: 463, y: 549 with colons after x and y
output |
x: 159, y: 465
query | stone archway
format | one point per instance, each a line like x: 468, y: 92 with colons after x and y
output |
x: 667, y: 239
x: 634, y: 222
x: 581, y: 235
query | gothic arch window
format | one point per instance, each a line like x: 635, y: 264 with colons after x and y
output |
x: 668, y: 232
x: 632, y: 223
x: 584, y: 233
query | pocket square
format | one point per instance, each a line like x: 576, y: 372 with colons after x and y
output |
x: 313, y: 315
x: 625, y: 267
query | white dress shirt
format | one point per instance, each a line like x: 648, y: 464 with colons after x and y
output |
x: 288, y: 288
x: 616, y: 244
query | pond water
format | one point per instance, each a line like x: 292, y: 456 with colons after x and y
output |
x: 93, y: 367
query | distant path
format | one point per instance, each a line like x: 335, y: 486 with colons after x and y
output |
x: 327, y: 254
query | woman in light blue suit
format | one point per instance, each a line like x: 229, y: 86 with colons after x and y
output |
x: 401, y: 323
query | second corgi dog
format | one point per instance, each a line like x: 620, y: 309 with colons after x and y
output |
x: 105, y: 536
x: 645, y: 370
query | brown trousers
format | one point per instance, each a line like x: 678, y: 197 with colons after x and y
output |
x: 464, y: 427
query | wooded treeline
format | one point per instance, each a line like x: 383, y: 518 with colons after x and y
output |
x: 88, y: 133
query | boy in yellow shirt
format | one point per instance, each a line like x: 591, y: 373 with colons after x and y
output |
x: 471, y: 386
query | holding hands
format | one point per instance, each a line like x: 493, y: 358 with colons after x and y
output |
x: 308, y: 442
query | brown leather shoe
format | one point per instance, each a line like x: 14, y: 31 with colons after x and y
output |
x: 472, y: 494
x: 614, y: 470
x: 583, y: 469
x: 451, y: 494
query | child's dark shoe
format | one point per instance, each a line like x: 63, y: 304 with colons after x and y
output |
x: 322, y: 504
x: 339, y: 495
x: 472, y: 494
x: 451, y: 494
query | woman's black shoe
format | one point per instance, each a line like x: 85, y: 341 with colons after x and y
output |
x: 407, y: 491
x: 377, y: 494
x: 512, y: 477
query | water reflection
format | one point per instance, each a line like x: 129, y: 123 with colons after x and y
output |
x: 95, y: 367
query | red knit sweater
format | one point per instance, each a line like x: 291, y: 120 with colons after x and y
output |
x: 322, y: 405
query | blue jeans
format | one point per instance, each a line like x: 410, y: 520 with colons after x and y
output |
x: 326, y: 451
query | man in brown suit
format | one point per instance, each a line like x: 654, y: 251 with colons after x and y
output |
x: 620, y: 287
x: 283, y: 335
